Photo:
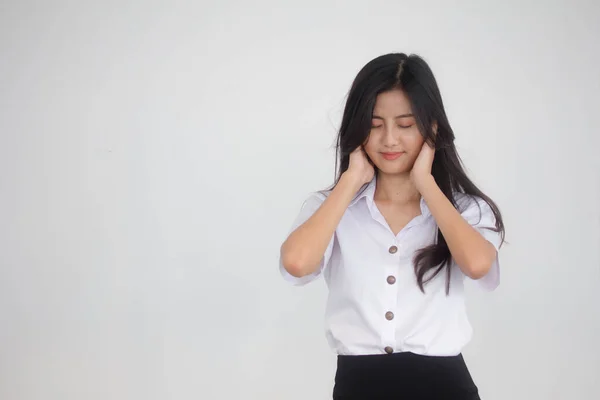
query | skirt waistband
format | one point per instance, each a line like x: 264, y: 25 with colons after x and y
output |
x: 403, y: 375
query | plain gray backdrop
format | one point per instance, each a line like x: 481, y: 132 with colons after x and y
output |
x: 153, y: 156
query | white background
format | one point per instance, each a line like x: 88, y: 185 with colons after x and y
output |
x: 153, y: 157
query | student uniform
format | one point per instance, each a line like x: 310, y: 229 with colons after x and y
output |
x: 392, y: 341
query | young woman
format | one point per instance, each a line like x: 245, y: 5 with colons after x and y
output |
x: 395, y: 238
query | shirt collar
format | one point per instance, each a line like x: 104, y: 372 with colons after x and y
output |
x: 368, y: 191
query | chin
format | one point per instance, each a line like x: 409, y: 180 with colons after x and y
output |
x: 393, y: 171
x: 391, y: 168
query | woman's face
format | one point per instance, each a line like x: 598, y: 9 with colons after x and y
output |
x: 394, y: 141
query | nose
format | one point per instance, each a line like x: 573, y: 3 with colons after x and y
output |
x: 389, y: 137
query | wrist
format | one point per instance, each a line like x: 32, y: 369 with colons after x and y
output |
x: 352, y: 180
x: 425, y: 184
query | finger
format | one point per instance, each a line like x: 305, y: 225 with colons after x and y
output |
x: 427, y: 149
x: 364, y: 152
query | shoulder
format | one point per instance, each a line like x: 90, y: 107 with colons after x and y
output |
x: 474, y: 209
x: 466, y: 202
x: 312, y: 202
x: 317, y: 197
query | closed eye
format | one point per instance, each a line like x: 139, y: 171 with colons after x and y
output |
x: 399, y: 126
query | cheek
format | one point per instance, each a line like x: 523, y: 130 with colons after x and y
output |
x: 413, y: 143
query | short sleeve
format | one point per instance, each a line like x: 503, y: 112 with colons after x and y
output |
x: 480, y: 216
x: 309, y: 207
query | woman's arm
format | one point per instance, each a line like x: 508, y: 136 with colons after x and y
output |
x: 472, y: 252
x: 304, y: 248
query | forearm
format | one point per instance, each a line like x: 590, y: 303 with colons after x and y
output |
x: 304, y: 249
x: 472, y: 252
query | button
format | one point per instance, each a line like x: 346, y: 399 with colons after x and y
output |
x: 388, y: 350
x: 393, y: 250
x: 389, y: 315
x: 391, y: 279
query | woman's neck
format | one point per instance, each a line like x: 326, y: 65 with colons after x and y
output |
x: 397, y: 189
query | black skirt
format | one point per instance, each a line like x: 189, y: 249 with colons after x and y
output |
x: 403, y: 376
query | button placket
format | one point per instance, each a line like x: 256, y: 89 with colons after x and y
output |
x: 393, y: 250
x: 390, y: 329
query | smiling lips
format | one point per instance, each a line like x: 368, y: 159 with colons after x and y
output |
x: 391, y: 156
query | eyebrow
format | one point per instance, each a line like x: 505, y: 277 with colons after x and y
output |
x: 398, y: 116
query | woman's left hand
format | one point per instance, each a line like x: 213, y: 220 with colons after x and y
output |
x: 421, y: 170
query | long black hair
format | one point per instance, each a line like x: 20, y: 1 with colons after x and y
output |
x: 412, y: 75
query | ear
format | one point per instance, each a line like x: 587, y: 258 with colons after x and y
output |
x: 434, y: 127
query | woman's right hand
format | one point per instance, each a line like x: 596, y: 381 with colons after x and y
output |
x: 359, y: 168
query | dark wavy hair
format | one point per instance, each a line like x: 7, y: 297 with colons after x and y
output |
x: 412, y: 75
